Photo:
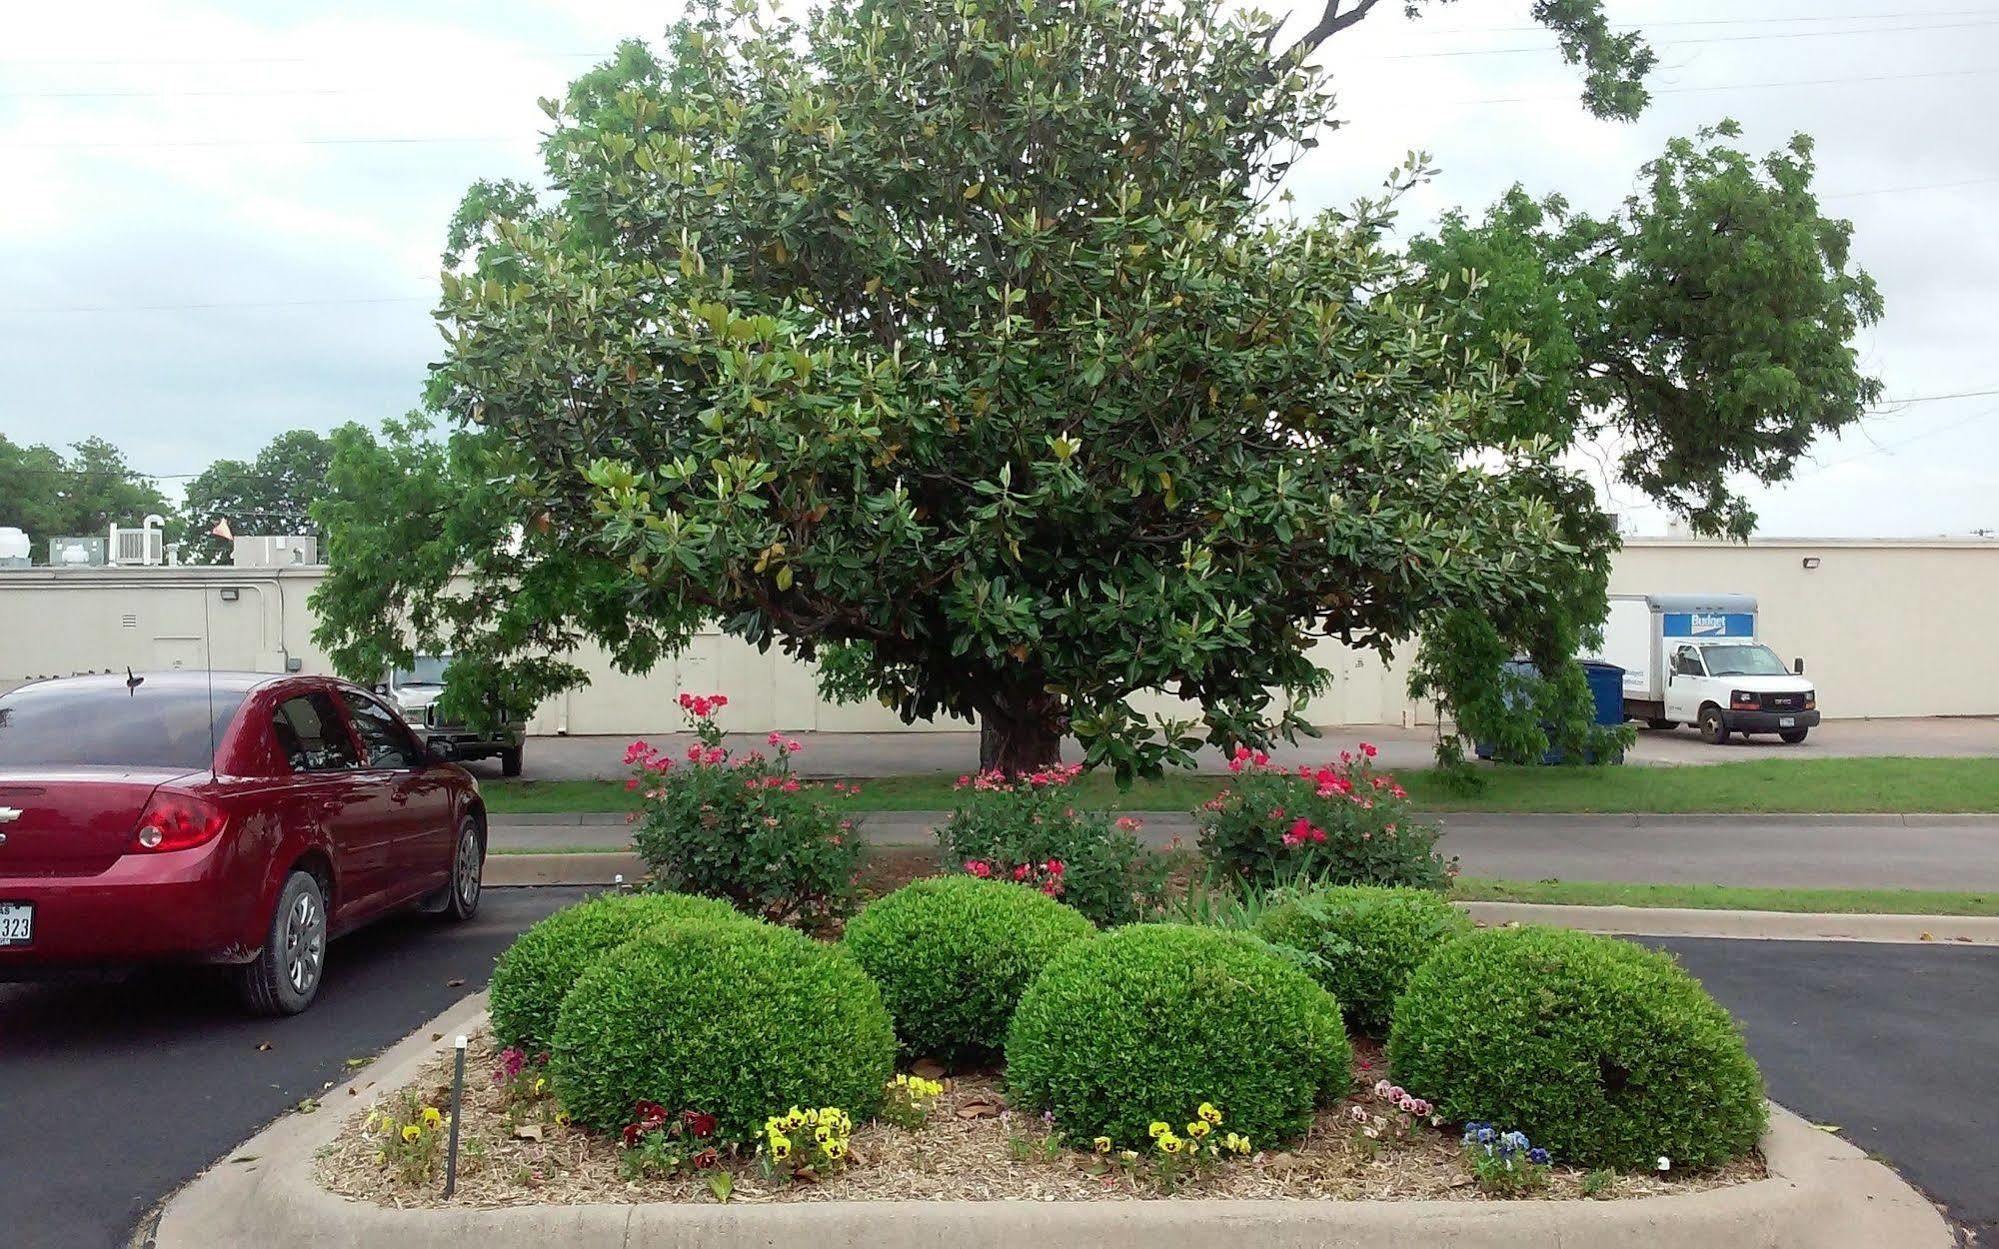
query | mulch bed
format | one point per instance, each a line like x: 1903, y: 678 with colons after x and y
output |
x: 973, y: 1149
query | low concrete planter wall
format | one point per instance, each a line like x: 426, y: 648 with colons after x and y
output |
x: 1821, y: 1192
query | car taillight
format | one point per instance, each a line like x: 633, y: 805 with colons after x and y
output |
x: 177, y: 822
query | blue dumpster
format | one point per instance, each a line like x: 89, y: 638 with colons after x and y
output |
x: 1606, y: 687
x: 1606, y: 684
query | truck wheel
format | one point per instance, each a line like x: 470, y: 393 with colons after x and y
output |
x: 1662, y: 725
x: 285, y: 976
x: 1713, y: 727
x: 510, y: 762
x: 1793, y: 736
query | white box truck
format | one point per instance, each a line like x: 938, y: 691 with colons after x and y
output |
x: 1694, y: 659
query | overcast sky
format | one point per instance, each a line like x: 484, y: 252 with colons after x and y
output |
x: 221, y: 220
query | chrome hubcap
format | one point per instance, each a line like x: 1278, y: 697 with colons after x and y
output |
x: 305, y: 943
x: 466, y: 877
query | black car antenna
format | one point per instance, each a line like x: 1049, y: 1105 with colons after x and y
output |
x: 132, y: 683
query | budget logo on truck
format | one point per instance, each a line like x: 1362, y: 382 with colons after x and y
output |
x: 1709, y: 624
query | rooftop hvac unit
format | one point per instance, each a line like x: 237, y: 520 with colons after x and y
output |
x: 144, y: 546
x: 275, y: 551
x: 90, y: 552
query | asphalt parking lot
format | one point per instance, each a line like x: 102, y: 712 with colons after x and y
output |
x: 116, y: 1095
x: 572, y: 757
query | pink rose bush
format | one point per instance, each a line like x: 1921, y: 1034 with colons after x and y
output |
x: 741, y: 827
x: 1027, y: 829
x: 1340, y: 823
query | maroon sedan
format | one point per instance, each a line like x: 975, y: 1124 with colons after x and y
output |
x: 239, y: 819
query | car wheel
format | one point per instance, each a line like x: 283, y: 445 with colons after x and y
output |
x: 1662, y: 725
x: 510, y: 762
x: 1713, y: 727
x: 284, y: 978
x: 468, y: 866
x: 1793, y: 736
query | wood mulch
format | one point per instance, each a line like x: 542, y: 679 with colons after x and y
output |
x: 973, y: 1149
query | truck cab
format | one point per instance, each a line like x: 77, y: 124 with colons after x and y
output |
x: 1734, y: 686
x: 414, y: 691
x: 1696, y: 659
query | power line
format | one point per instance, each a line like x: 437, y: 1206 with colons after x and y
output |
x: 219, y: 304
x: 1893, y: 447
x: 307, y: 92
x: 1886, y: 404
x: 1735, y: 21
x: 1747, y: 86
x: 358, y: 140
x: 1899, y: 190
x: 1681, y: 43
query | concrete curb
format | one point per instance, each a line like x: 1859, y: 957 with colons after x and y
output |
x: 1648, y: 921
x: 1821, y: 1192
x: 508, y: 870
x: 581, y: 868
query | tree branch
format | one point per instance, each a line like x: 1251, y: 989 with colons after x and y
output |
x: 1331, y: 23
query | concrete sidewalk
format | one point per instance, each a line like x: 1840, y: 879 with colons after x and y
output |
x: 898, y: 754
x: 1955, y: 852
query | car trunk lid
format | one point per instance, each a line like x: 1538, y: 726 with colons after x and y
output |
x: 71, y: 822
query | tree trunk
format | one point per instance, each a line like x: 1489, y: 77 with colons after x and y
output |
x: 1016, y: 741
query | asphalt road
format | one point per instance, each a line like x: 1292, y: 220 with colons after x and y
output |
x: 110, y: 1097
x: 1853, y: 852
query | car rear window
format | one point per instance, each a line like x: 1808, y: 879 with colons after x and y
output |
x: 107, y: 725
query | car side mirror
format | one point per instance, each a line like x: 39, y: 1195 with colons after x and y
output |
x: 1798, y: 666
x: 380, y: 687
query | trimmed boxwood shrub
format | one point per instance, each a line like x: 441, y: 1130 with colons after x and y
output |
x: 1363, y: 942
x: 1604, y: 1052
x: 734, y: 1019
x: 953, y: 954
x: 537, y: 970
x: 1149, y: 1021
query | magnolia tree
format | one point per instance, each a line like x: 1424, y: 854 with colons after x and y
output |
x: 962, y: 349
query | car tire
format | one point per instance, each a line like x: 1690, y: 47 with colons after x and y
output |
x: 1793, y: 736
x: 1713, y: 728
x: 510, y: 762
x: 468, y: 867
x: 1662, y: 725
x: 285, y: 976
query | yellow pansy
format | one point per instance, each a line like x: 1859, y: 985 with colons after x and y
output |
x: 432, y: 1116
x: 1208, y: 1114
x: 411, y: 1131
x: 1158, y: 1129
x: 1102, y: 1144
x: 836, y: 1150
x: 1199, y: 1128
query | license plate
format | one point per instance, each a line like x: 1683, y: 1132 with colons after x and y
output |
x: 17, y: 923
x: 1787, y: 722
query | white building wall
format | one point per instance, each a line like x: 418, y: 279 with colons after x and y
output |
x: 1887, y: 628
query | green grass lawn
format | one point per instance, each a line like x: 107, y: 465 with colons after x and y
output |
x: 1771, y: 785
x: 1727, y: 897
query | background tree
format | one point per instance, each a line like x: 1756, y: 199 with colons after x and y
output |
x: 270, y: 494
x: 50, y: 494
x: 958, y: 348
